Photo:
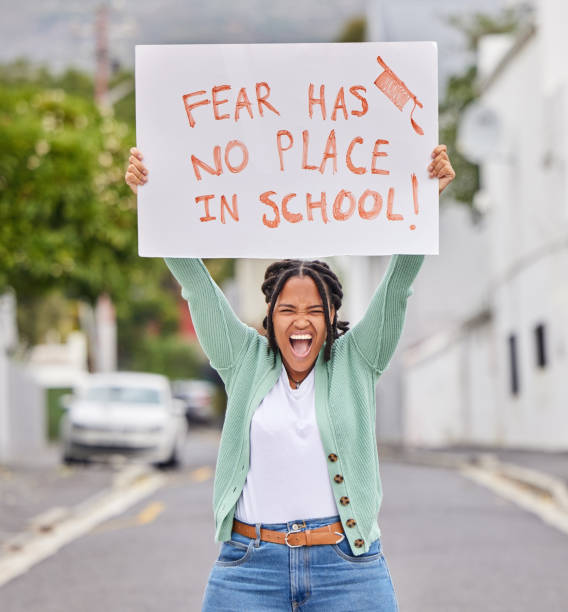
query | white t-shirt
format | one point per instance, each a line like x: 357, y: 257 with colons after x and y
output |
x: 288, y: 477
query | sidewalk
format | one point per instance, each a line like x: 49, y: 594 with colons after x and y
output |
x: 29, y: 489
x: 43, y: 491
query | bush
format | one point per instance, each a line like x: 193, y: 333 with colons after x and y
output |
x: 169, y: 355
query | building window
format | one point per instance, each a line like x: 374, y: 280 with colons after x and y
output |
x: 540, y: 343
x: 513, y: 364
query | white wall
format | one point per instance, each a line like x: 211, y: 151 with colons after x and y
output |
x: 22, y: 402
x: 449, y: 389
x: 528, y: 217
x: 27, y: 417
x: 8, y: 340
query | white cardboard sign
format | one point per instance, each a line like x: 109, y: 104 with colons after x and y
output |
x: 287, y: 150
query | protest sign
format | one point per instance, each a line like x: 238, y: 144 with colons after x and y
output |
x: 287, y: 150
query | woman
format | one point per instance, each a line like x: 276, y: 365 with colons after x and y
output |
x: 297, y: 487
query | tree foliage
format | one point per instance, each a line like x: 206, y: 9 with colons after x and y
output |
x: 66, y: 217
x: 461, y: 90
x: 68, y: 228
x: 67, y: 220
x: 477, y: 25
x: 354, y: 30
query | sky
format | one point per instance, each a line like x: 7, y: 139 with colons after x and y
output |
x: 61, y: 32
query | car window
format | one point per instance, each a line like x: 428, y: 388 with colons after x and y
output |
x: 131, y: 395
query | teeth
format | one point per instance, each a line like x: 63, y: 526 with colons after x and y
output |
x: 301, y: 337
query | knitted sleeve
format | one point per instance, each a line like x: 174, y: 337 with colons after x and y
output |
x: 378, y: 332
x: 220, y: 332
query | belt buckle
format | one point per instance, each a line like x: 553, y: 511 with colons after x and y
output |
x: 341, y: 536
x: 294, y: 531
x: 286, y: 540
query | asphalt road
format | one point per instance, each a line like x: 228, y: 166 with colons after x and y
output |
x: 450, y: 544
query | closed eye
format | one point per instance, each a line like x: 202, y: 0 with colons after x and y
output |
x: 310, y: 311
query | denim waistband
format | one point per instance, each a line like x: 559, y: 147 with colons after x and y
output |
x: 301, y: 523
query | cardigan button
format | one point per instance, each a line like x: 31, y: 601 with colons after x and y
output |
x: 332, y: 457
x: 338, y: 478
x: 359, y: 542
x: 351, y: 522
x: 344, y: 500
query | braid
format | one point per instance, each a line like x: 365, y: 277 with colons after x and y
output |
x: 281, y: 281
x: 328, y: 286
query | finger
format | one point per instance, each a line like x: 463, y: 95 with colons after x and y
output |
x: 133, y: 170
x: 446, y: 170
x: 438, y: 164
x: 132, y: 179
x: 136, y: 162
x: 136, y: 152
x: 129, y: 181
x: 439, y: 149
x: 438, y: 156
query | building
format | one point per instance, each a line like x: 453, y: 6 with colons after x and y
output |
x: 484, y: 351
x: 498, y: 376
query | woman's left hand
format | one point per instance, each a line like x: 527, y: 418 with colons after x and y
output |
x: 441, y: 167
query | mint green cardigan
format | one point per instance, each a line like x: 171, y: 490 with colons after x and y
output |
x: 344, y: 392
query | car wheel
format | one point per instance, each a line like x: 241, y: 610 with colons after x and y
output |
x: 171, y: 462
x: 174, y: 460
x: 67, y: 457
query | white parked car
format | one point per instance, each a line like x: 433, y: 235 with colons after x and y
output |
x: 125, y: 413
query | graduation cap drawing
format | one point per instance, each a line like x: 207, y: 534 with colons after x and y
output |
x: 397, y: 92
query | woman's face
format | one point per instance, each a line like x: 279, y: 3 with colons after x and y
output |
x: 299, y: 324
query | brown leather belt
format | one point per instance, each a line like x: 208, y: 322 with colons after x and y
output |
x: 309, y: 537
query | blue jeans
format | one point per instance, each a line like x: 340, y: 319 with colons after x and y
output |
x: 256, y: 576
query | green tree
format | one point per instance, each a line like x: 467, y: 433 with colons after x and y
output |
x: 354, y: 30
x: 66, y: 217
x: 68, y: 227
x: 67, y: 220
x: 462, y: 90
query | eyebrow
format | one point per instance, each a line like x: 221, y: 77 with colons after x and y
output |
x: 293, y: 306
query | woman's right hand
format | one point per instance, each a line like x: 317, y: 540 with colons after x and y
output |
x: 136, y: 173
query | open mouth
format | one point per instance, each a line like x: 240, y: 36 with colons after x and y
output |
x: 301, y: 344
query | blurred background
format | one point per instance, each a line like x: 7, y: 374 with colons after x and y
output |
x: 478, y: 381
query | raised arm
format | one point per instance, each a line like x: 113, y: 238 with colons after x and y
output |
x: 221, y: 333
x: 378, y: 332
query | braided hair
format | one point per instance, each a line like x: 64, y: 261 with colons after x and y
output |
x: 328, y: 286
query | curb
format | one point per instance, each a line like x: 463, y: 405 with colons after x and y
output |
x: 47, y: 522
x: 65, y: 527
x: 539, y: 483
